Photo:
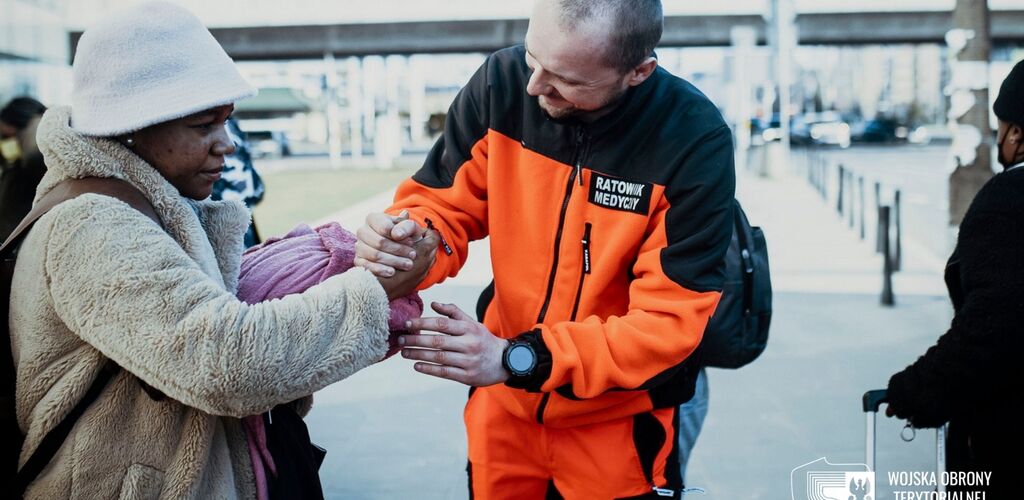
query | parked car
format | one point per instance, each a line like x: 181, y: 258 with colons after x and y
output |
x: 879, y: 130
x: 268, y: 143
x: 931, y: 134
x: 771, y: 129
x: 828, y: 129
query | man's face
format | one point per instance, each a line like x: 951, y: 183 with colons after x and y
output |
x: 570, y: 77
x: 1009, y: 143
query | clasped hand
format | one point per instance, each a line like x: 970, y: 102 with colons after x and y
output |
x: 400, y: 252
x: 396, y: 250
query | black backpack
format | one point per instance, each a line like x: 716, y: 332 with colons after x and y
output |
x: 10, y: 434
x: 738, y: 331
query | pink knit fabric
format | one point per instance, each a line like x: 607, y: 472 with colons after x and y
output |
x: 292, y: 264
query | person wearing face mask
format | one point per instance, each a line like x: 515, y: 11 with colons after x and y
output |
x: 22, y: 162
x: 147, y: 304
x: 972, y: 377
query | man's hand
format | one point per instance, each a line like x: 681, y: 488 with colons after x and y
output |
x: 466, y: 353
x: 385, y: 244
x: 403, y: 283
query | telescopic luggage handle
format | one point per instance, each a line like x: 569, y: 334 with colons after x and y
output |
x: 871, y: 402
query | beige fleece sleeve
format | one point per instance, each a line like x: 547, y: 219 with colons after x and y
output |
x: 129, y: 290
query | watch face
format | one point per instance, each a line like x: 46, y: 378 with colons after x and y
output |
x: 520, y: 358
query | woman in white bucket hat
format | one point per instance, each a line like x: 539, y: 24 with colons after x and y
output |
x: 99, y: 284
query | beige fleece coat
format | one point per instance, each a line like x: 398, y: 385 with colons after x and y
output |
x: 96, y: 279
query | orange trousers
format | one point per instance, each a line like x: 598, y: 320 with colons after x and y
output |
x: 510, y: 458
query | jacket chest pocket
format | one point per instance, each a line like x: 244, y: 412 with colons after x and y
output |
x: 585, y: 268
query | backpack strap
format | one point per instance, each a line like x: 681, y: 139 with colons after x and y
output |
x: 72, y: 188
x: 742, y: 226
x: 68, y: 190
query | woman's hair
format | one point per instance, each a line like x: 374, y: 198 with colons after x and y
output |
x: 20, y: 111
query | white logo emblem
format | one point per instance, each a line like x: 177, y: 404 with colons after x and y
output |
x: 822, y: 480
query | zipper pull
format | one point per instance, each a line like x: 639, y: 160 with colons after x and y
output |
x: 663, y: 492
x: 586, y: 249
x: 444, y: 244
x: 748, y: 263
x: 579, y: 156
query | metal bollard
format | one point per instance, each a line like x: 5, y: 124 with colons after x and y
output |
x: 878, y: 210
x: 860, y: 182
x: 897, y: 260
x: 850, y: 196
x: 822, y: 169
x: 822, y: 180
x: 812, y: 174
x: 883, y: 221
x: 842, y: 181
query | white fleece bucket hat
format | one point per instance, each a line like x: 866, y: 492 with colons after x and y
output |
x: 146, y: 65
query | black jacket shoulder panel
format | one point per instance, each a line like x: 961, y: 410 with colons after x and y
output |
x: 465, y: 124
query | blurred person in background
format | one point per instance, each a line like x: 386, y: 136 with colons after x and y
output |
x: 972, y: 377
x: 606, y: 187
x: 22, y: 162
x: 239, y: 180
x: 138, y: 319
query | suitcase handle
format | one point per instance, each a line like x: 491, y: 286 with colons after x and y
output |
x: 872, y: 400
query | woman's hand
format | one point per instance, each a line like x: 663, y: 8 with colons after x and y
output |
x: 402, y: 283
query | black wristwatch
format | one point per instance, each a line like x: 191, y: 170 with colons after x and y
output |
x: 519, y: 358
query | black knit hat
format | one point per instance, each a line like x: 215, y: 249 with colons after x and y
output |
x: 1009, y: 106
x: 20, y: 111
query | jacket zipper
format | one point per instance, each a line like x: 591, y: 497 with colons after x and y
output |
x: 584, y: 272
x: 575, y: 174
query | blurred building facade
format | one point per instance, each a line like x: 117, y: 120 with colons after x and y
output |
x: 34, y: 50
x: 385, y: 105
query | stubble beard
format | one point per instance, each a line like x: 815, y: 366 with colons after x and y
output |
x: 573, y: 112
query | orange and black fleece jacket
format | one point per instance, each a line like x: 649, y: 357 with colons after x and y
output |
x: 607, y: 239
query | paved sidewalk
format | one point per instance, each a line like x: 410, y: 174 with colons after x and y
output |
x: 393, y: 433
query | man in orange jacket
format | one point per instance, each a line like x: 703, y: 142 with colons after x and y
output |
x: 605, y: 185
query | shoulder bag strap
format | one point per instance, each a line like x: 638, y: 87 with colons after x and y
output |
x: 62, y: 192
x: 70, y: 189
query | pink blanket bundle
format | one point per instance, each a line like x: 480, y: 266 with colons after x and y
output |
x: 303, y: 258
x: 292, y: 264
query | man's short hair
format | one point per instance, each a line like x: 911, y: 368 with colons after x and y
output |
x: 637, y: 26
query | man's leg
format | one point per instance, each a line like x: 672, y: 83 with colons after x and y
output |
x: 691, y: 420
x: 507, y: 455
x: 623, y: 458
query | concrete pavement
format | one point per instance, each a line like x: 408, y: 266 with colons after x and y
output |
x: 393, y: 433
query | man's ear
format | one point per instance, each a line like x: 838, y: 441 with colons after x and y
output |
x: 642, y: 71
x: 1015, y: 134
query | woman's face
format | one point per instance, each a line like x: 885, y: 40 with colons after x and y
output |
x: 189, y: 152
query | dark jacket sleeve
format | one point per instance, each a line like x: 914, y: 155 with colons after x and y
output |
x: 976, y: 362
